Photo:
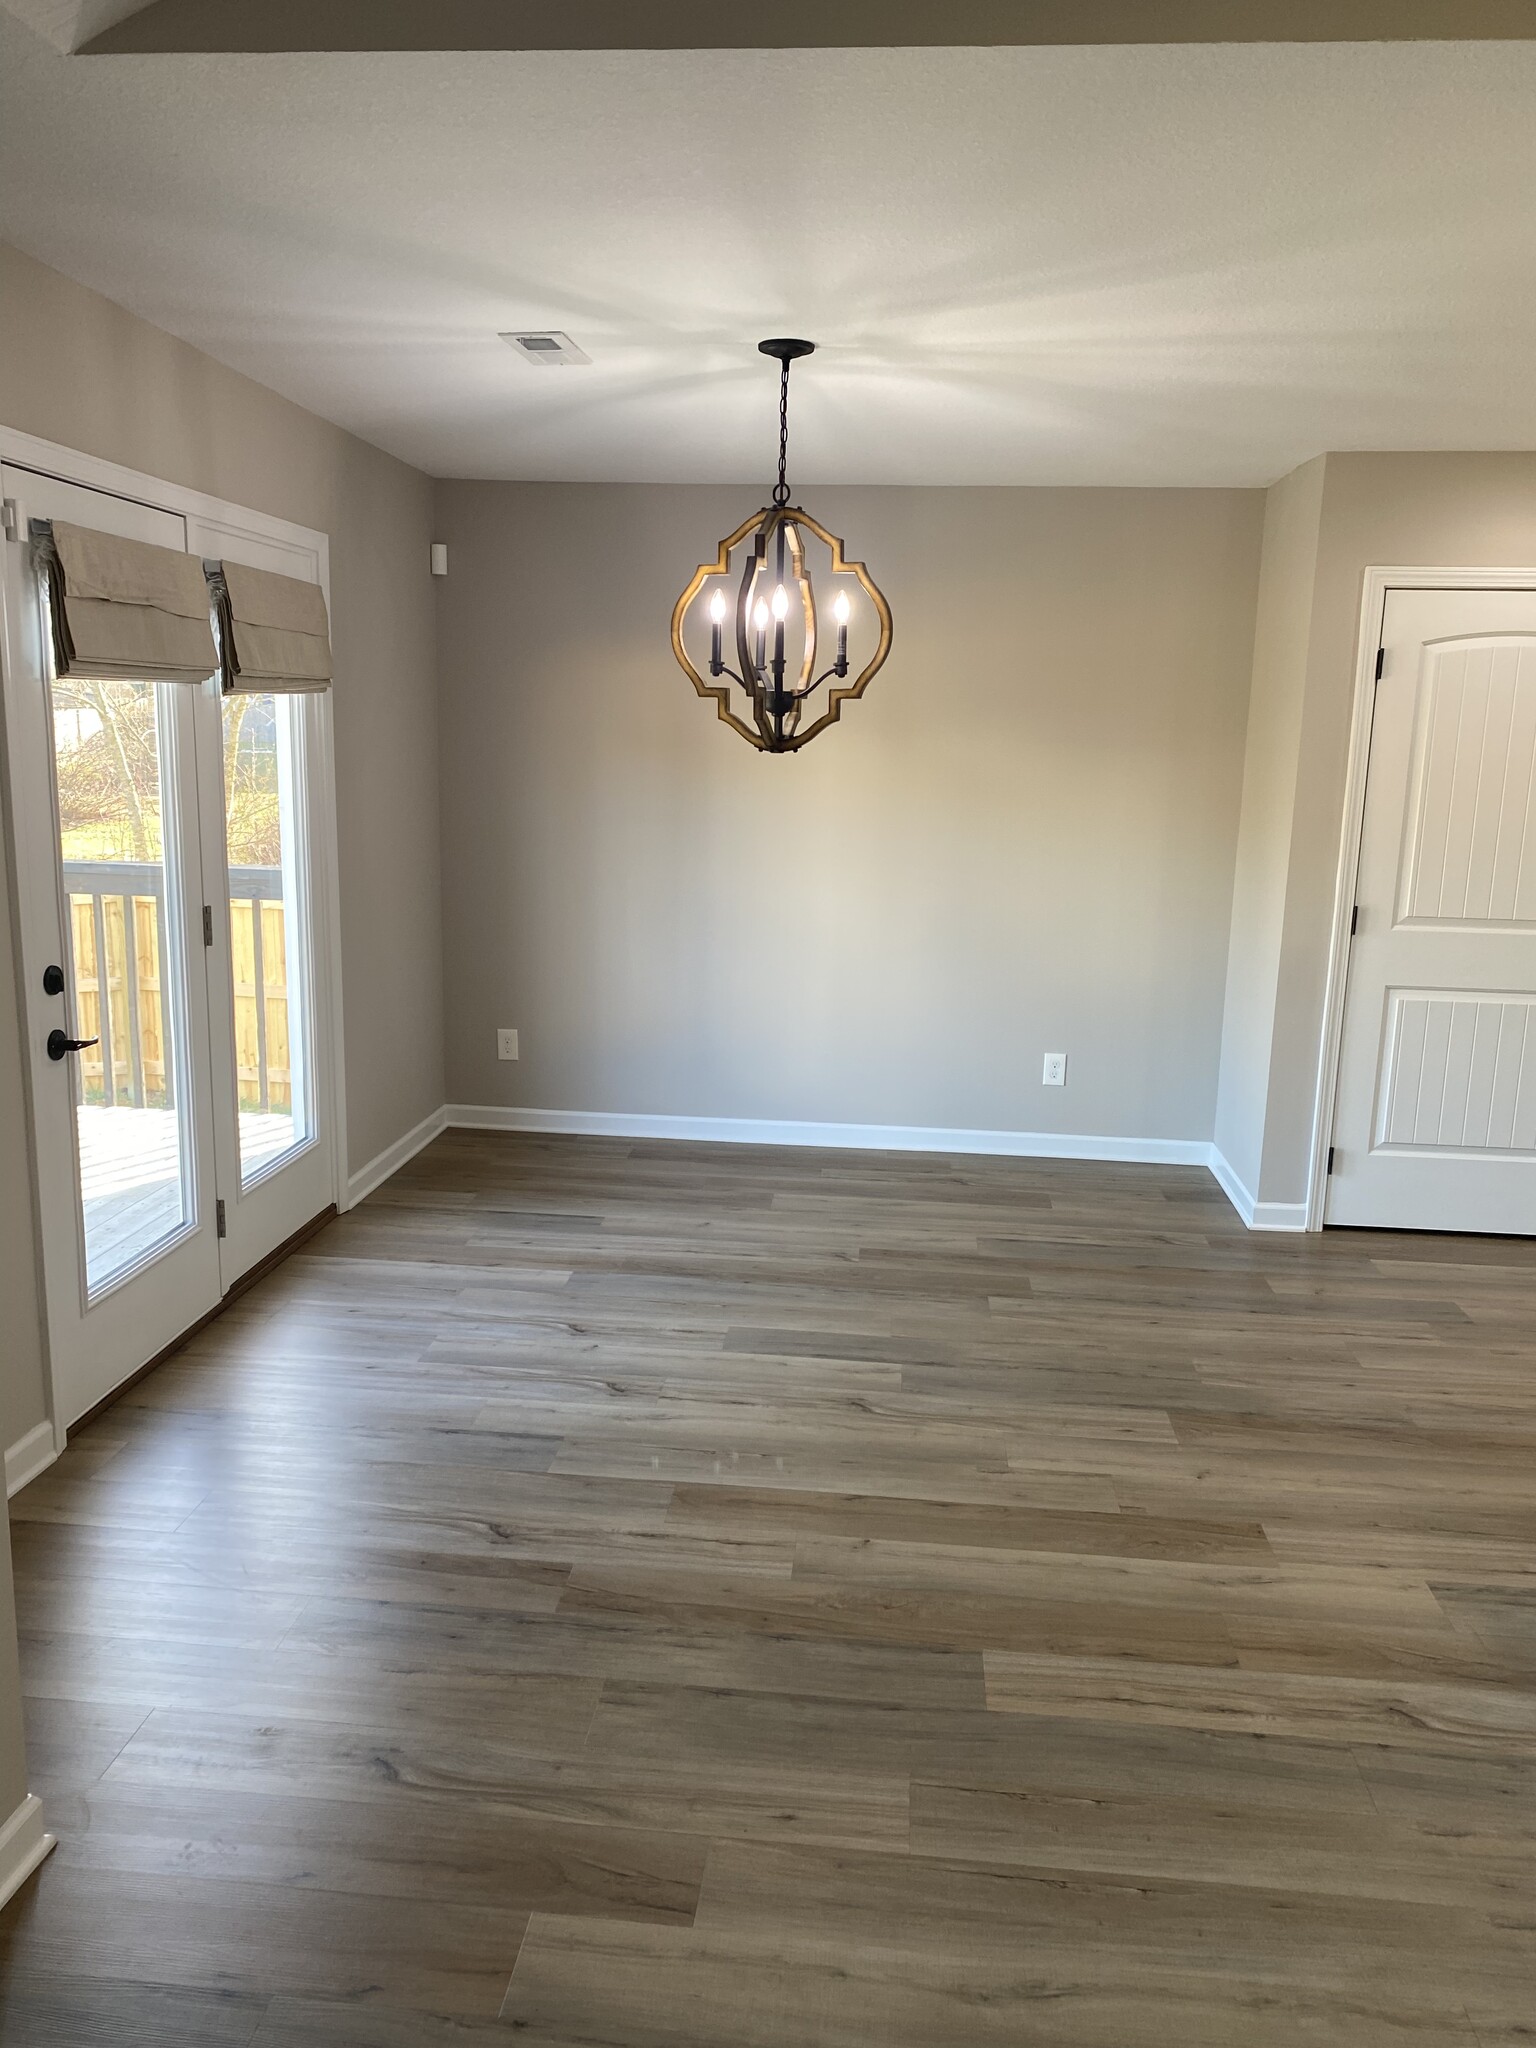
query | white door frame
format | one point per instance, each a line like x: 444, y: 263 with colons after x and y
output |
x: 70, y: 466
x: 1379, y: 583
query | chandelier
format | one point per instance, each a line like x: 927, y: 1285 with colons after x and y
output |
x: 764, y: 581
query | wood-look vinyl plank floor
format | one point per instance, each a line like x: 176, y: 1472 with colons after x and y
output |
x: 457, y: 1851
x: 574, y: 1987
x: 663, y: 1596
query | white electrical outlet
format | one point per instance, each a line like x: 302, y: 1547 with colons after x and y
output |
x: 506, y: 1045
x: 1055, y: 1075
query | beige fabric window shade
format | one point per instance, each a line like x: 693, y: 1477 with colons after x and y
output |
x: 273, y: 630
x: 124, y: 608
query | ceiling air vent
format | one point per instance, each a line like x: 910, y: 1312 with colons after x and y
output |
x: 546, y: 351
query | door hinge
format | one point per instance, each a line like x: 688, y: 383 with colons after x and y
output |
x: 218, y: 1217
x: 1354, y: 921
x: 1381, y: 661
x: 1333, y: 1153
x: 207, y: 924
x: 10, y: 518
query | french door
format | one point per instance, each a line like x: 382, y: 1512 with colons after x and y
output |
x: 167, y: 861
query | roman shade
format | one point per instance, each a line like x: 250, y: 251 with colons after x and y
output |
x: 273, y: 630
x: 124, y: 608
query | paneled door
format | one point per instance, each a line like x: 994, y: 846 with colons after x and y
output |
x: 1435, y: 1123
x: 170, y: 861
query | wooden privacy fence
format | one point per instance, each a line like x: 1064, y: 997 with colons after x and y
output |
x: 258, y: 952
x: 117, y: 932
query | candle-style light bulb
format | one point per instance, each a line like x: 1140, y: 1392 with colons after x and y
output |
x: 760, y: 616
x: 781, y: 603
x: 717, y: 606
x: 716, y: 615
x: 840, y: 612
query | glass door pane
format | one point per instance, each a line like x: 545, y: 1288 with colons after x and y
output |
x: 112, y: 769
x: 268, y: 943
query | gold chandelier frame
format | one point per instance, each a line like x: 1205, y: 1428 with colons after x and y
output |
x: 770, y: 733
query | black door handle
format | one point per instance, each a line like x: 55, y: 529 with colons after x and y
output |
x: 58, y: 1044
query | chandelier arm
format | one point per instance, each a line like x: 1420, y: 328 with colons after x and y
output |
x: 746, y: 653
x: 807, y: 591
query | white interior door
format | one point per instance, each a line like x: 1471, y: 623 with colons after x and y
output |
x: 103, y: 777
x: 175, y: 884
x: 1435, y: 1124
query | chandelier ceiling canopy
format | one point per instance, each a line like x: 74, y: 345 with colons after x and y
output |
x: 761, y: 601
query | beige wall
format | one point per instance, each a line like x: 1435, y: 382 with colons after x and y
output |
x: 1403, y: 511
x: 1022, y: 841
x: 77, y: 369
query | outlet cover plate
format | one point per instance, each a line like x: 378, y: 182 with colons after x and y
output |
x: 506, y: 1045
x: 1055, y: 1074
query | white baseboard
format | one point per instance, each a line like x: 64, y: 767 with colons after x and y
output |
x: 1231, y: 1186
x: 23, y: 1845
x: 844, y: 1137
x: 722, y: 1130
x: 393, y: 1157
x: 1278, y: 1216
x: 1257, y: 1215
x: 28, y: 1456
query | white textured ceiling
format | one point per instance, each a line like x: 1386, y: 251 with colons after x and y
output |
x: 1194, y: 264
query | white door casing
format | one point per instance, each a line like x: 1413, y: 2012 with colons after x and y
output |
x: 1435, y: 1113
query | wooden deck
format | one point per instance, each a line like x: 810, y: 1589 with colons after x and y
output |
x: 130, y: 1176
x: 688, y: 1597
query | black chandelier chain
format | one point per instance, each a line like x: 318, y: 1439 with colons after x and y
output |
x: 781, y: 488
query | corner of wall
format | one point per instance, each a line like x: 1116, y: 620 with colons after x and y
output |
x: 1282, y: 640
x: 1256, y: 1214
